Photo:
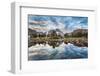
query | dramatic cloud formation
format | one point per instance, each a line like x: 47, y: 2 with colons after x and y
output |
x: 64, y: 23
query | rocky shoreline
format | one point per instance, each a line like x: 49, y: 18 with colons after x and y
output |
x: 56, y: 42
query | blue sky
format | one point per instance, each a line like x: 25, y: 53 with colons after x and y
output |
x: 64, y: 23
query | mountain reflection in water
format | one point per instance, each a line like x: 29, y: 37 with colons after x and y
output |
x: 56, y: 50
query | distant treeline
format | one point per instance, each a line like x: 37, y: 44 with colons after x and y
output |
x: 56, y: 34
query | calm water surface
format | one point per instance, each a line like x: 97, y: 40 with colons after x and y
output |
x: 56, y: 50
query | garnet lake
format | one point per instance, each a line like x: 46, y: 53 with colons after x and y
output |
x: 63, y: 51
x: 57, y: 37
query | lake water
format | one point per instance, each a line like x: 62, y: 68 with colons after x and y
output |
x: 48, y: 51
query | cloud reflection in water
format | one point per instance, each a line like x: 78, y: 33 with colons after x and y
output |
x: 63, y: 51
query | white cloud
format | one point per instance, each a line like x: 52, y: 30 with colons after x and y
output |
x: 58, y: 24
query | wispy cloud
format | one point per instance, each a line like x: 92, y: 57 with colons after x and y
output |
x: 64, y: 23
